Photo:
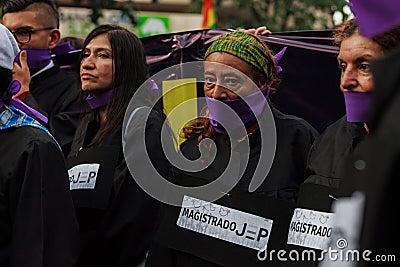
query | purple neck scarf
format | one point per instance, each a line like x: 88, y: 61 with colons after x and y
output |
x: 219, y: 115
x: 358, y: 105
x: 102, y: 99
x: 7, y: 99
x: 36, y: 57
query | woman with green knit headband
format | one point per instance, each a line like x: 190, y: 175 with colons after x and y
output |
x: 238, y: 72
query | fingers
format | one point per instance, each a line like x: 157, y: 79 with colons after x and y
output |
x: 249, y: 31
x: 21, y: 71
x: 262, y: 30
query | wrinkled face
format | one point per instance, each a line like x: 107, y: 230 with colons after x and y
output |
x: 97, y: 65
x: 225, y: 82
x: 354, y: 58
x: 26, y: 20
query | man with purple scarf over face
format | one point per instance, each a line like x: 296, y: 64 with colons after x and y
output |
x: 53, y: 91
x: 38, y: 226
x: 373, y: 170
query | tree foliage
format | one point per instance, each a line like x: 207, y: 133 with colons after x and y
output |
x: 278, y: 15
x: 97, y: 6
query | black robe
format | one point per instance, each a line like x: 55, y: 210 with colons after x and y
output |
x: 119, y: 233
x: 56, y: 93
x: 38, y: 226
x: 294, y: 138
x: 378, y: 174
x: 325, y: 170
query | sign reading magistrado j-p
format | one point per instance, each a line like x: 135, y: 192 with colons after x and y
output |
x: 225, y: 223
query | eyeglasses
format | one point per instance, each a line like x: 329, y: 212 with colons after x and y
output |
x: 23, y: 35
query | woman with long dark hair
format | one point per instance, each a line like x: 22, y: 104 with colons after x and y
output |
x: 116, y: 217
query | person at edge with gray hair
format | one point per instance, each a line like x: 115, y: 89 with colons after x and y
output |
x: 55, y: 92
x: 38, y: 226
x: 239, y: 68
x: 373, y: 170
x: 329, y: 155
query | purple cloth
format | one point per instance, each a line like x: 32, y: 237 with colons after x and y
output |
x: 99, y: 100
x: 278, y: 57
x: 219, y: 114
x: 358, y: 105
x: 62, y: 48
x: 102, y: 99
x: 36, y: 57
x: 375, y: 17
x: 7, y: 99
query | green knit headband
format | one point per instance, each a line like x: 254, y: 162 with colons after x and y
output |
x: 244, y: 46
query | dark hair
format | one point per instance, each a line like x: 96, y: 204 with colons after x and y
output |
x: 202, y: 128
x: 386, y: 41
x: 130, y: 72
x: 5, y: 80
x: 46, y: 7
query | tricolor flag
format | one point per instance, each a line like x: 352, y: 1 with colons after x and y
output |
x: 208, y: 14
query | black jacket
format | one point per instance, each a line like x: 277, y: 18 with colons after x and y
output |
x: 328, y: 154
x: 38, y: 226
x: 56, y: 93
x: 294, y: 138
x: 119, y: 232
x: 378, y: 175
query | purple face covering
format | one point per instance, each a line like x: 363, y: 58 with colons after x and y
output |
x: 7, y: 99
x: 357, y: 106
x: 218, y: 115
x: 36, y: 57
x: 375, y: 17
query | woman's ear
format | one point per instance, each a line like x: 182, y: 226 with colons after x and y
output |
x: 55, y: 36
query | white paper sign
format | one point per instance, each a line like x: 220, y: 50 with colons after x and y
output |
x: 83, y: 176
x: 346, y: 231
x: 225, y: 223
x: 310, y: 228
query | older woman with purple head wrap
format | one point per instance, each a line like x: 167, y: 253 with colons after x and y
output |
x: 239, y: 70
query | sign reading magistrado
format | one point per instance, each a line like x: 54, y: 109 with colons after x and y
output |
x: 225, y: 223
x: 310, y: 228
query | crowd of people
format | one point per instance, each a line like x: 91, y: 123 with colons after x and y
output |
x: 67, y: 193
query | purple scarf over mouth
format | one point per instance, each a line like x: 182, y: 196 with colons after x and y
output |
x: 36, y: 57
x: 41, y: 57
x: 358, y: 105
x: 7, y: 99
x: 218, y: 115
